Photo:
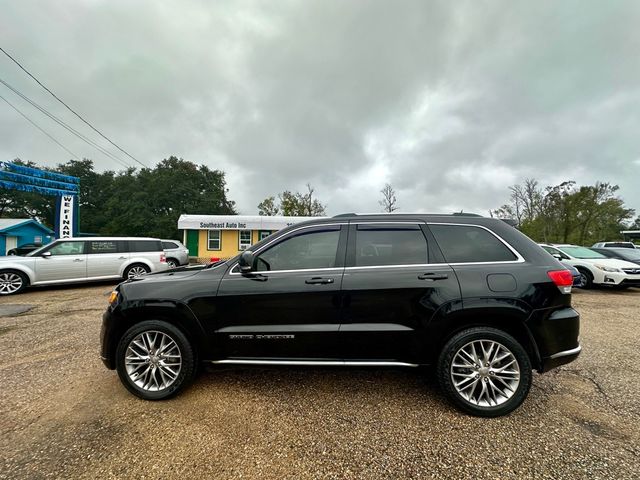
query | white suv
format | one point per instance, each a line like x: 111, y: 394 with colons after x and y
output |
x: 595, y: 268
x: 73, y: 260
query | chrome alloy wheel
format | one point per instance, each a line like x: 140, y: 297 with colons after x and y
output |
x: 136, y: 272
x: 485, y: 373
x: 10, y: 282
x: 153, y: 361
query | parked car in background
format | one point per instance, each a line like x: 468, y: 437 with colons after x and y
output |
x: 177, y: 254
x: 575, y: 274
x: 472, y: 296
x: 24, y: 249
x: 74, y: 260
x: 628, y: 254
x: 595, y: 268
x: 614, y: 245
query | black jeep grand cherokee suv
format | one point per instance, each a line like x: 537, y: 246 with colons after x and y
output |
x: 471, y: 295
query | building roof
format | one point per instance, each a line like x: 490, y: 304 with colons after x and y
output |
x: 9, y: 223
x: 238, y: 222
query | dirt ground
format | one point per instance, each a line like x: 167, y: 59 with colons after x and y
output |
x: 63, y: 415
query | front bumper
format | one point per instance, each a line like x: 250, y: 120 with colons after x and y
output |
x: 620, y: 278
x: 106, y: 347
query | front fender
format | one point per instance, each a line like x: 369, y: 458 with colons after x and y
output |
x: 128, y: 313
x: 28, y: 271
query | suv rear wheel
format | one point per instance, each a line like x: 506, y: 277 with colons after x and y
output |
x: 485, y: 371
x: 154, y: 360
x: 136, y: 270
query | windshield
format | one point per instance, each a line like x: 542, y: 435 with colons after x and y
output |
x: 580, y: 252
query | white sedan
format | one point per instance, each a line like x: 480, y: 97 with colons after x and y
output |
x: 595, y: 268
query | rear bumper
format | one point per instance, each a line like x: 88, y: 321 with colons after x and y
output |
x: 556, y: 336
x: 560, y: 358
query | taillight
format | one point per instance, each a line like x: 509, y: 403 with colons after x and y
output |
x: 163, y: 258
x: 562, y: 278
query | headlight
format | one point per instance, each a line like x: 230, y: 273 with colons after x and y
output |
x: 608, y: 269
x: 113, y: 297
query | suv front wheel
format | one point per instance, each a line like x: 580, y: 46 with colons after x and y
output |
x: 485, y: 371
x: 154, y: 360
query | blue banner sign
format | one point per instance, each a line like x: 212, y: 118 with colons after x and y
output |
x: 34, y: 172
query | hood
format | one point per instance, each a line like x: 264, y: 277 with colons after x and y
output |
x: 609, y: 262
x: 173, y: 274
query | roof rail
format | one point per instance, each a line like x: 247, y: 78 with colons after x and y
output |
x: 345, y: 215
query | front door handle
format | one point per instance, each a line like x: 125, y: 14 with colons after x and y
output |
x: 318, y: 281
x: 433, y: 276
x: 78, y: 260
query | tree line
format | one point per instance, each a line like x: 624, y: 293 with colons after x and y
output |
x: 567, y: 212
x: 144, y: 202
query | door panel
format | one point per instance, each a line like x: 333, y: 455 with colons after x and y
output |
x: 67, y: 262
x: 391, y: 292
x: 105, y: 257
x: 289, y: 306
x: 279, y: 315
x: 387, y: 311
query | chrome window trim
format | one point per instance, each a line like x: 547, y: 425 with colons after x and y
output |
x: 399, y: 265
x: 519, y: 258
x: 275, y: 240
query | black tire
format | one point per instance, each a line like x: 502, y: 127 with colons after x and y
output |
x: 506, y: 403
x: 586, y: 278
x: 172, y: 263
x: 12, y: 282
x: 129, y: 377
x: 133, y: 267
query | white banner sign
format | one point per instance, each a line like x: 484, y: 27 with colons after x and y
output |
x: 65, y: 218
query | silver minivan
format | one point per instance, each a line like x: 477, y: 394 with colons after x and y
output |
x: 74, y: 260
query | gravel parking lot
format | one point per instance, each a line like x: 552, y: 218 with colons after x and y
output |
x: 63, y: 415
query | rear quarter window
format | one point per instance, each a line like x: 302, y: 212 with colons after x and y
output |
x: 169, y: 245
x: 469, y: 244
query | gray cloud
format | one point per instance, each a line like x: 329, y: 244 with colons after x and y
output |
x: 449, y: 101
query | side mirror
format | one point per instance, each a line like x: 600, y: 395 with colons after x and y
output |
x: 557, y: 256
x: 46, y: 255
x: 246, y: 261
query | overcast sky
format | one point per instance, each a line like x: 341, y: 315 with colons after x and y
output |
x: 450, y: 102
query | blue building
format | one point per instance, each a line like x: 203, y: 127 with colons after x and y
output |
x: 15, y: 232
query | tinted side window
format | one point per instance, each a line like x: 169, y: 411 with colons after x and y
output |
x: 315, y: 249
x: 464, y: 244
x: 169, y: 245
x: 103, y: 246
x: 145, y: 246
x: 390, y: 246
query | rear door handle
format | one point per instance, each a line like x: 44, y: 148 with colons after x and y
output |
x: 122, y: 258
x: 433, y: 276
x: 318, y: 281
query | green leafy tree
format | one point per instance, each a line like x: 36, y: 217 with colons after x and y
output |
x: 294, y: 204
x: 566, y: 212
x: 147, y: 202
x: 268, y: 207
